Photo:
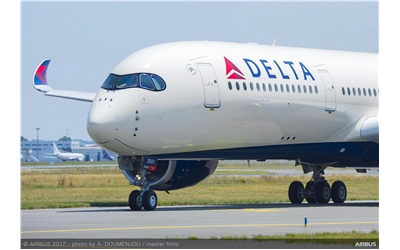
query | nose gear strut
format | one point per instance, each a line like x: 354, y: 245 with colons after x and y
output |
x: 146, y: 197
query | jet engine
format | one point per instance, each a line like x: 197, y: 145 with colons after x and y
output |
x: 169, y: 174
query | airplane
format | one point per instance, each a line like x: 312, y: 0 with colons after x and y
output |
x: 172, y: 111
x: 29, y: 157
x: 67, y: 156
x: 107, y: 156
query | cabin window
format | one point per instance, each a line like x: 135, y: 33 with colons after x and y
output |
x: 293, y: 88
x: 310, y: 89
x: 230, y: 85
x: 237, y: 86
x: 270, y: 87
x: 316, y: 89
x: 244, y: 86
x: 287, y: 88
x: 305, y: 89
x: 276, y: 87
x: 343, y: 91
x: 299, y: 88
x: 258, y: 87
x: 264, y: 87
x: 251, y: 86
x: 282, y: 89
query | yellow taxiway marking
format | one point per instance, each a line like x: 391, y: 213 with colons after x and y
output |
x: 265, y: 210
x: 255, y: 210
x: 194, y: 226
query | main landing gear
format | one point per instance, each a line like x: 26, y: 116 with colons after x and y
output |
x: 317, y: 190
x: 145, y: 198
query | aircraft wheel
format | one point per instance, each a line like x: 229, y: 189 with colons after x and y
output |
x: 309, y: 187
x: 295, y: 192
x: 339, y: 192
x: 323, y: 192
x: 149, y: 200
x: 135, y: 200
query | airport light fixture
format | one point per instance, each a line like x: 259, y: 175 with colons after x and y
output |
x: 37, y: 143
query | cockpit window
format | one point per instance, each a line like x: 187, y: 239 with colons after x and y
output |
x: 127, y: 81
x: 145, y: 82
x: 158, y: 82
x: 139, y: 80
x: 110, y: 81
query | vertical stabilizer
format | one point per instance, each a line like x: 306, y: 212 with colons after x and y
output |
x: 55, y: 149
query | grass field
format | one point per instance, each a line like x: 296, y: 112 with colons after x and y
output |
x: 106, y: 186
x: 83, y: 186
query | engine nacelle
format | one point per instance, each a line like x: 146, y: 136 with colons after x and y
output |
x: 169, y: 175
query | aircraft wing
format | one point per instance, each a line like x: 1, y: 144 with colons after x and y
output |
x: 40, y: 84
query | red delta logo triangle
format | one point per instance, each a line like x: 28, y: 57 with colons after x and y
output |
x: 232, y: 72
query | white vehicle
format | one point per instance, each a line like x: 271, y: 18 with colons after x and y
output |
x: 171, y: 111
x: 67, y: 156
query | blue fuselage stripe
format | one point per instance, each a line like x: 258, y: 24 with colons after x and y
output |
x: 338, y: 154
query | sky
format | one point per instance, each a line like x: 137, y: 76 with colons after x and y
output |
x: 86, y: 40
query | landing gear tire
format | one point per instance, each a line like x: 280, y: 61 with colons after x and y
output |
x: 295, y: 192
x: 135, y: 200
x: 323, y: 192
x: 339, y: 192
x: 149, y: 200
x: 310, y: 189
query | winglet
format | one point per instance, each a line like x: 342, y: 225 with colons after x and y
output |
x: 40, y: 84
x: 40, y: 77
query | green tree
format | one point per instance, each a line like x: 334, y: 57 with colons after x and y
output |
x: 65, y: 138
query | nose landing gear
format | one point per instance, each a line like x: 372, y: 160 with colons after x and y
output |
x: 317, y: 190
x: 145, y: 198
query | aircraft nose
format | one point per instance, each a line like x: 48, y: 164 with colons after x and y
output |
x: 101, y: 125
x: 110, y: 122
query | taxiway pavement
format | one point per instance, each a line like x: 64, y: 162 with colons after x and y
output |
x: 172, y: 222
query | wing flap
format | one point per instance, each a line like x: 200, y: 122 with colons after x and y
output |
x: 40, y: 84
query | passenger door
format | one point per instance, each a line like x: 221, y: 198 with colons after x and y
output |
x: 330, y: 95
x: 210, y: 85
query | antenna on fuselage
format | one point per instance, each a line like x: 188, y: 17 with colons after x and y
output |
x: 273, y: 43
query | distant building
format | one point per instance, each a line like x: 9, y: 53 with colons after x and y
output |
x: 43, y: 150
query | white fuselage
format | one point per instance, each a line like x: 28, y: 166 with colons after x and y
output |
x: 69, y: 156
x: 222, y: 96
